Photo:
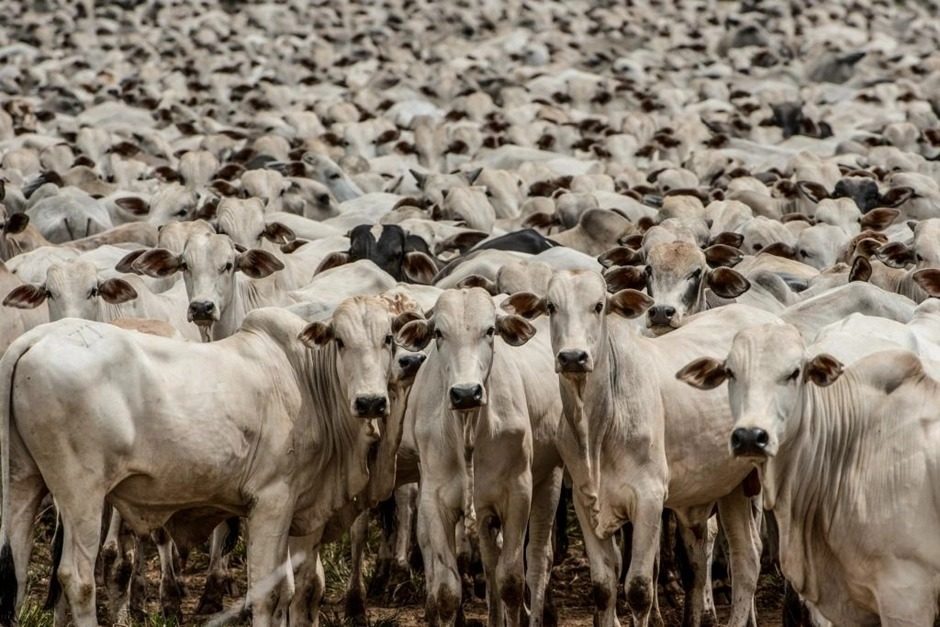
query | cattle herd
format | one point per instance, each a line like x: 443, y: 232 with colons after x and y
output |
x: 269, y: 269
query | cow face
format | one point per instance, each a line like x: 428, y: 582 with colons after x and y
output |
x: 402, y: 255
x: 361, y: 332
x: 208, y: 264
x: 71, y: 290
x: 862, y: 190
x: 243, y: 221
x: 464, y: 327
x: 766, y: 371
x: 578, y: 304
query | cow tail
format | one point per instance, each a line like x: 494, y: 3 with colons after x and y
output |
x: 233, y: 526
x: 8, y: 584
x: 55, y: 588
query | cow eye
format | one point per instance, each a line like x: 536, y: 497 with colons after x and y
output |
x: 438, y: 335
x: 598, y: 307
x: 389, y: 339
x: 550, y: 308
x: 183, y: 266
x: 491, y: 332
x: 919, y: 257
x: 695, y: 274
x: 93, y: 292
x: 334, y: 175
x: 181, y: 213
x: 228, y: 267
x: 804, y: 254
x: 339, y: 343
x: 793, y: 375
x: 323, y: 199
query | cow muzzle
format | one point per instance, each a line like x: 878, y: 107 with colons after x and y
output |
x: 466, y: 396
x: 371, y: 406
x: 750, y: 442
x: 573, y: 361
x: 661, y: 319
x: 202, y: 312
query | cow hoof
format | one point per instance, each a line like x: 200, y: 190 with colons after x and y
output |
x: 212, y: 600
x: 355, y: 606
x: 381, y: 578
x: 709, y: 619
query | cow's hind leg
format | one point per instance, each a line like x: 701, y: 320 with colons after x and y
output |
x: 309, y: 580
x: 26, y: 492
x: 741, y: 523
x: 171, y: 586
x: 693, y: 525
x: 220, y: 580
x: 81, y: 522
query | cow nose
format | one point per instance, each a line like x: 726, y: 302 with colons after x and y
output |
x: 661, y: 314
x: 201, y: 309
x: 410, y: 363
x: 572, y: 360
x: 466, y: 396
x: 371, y: 406
x: 749, y: 442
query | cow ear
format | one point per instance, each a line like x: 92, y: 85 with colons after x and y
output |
x: 116, y: 291
x: 461, y: 241
x: 929, y: 281
x: 16, y: 223
x: 722, y: 255
x: 625, y: 278
x: 525, y: 304
x: 621, y: 256
x: 293, y: 245
x: 415, y: 335
x: 473, y: 175
x: 27, y: 296
x: 208, y: 209
x: 515, y: 330
x: 727, y: 283
x: 404, y: 318
x: 257, y: 263
x: 867, y: 247
x: 780, y: 250
x: 822, y: 370
x: 896, y: 254
x: 420, y: 178
x: 861, y: 270
x: 278, y: 233
x: 705, y: 373
x: 157, y: 263
x: 540, y: 220
x: 879, y: 218
x: 634, y: 241
x: 897, y: 196
x: 126, y: 264
x: 316, y: 334
x: 333, y: 260
x: 727, y: 238
x: 419, y: 267
x: 814, y: 192
x: 476, y: 280
x: 134, y: 205
x: 628, y: 303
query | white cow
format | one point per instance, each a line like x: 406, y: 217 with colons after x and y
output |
x: 848, y: 462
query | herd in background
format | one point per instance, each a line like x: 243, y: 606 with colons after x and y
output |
x: 306, y: 260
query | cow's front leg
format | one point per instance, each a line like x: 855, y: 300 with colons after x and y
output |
x: 270, y: 577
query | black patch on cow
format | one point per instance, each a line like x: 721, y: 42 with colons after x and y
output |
x: 388, y: 252
x: 525, y: 241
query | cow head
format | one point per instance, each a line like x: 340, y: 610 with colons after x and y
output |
x: 361, y: 332
x: 676, y: 275
x: 404, y: 256
x: 208, y: 264
x: 72, y: 290
x: 243, y: 221
x: 578, y: 304
x: 765, y: 370
x: 10, y: 225
x: 464, y: 326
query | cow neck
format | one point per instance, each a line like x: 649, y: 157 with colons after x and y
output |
x: 248, y: 295
x: 813, y: 465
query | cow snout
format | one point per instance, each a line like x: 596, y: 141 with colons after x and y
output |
x: 466, y: 396
x: 409, y: 364
x: 661, y: 315
x: 749, y: 442
x: 201, y: 311
x: 572, y: 361
x: 371, y: 406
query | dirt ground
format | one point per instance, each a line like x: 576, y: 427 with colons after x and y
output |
x: 571, y: 585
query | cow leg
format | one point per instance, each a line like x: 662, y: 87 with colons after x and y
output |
x: 647, y: 521
x: 270, y: 577
x: 110, y: 547
x: 355, y: 588
x: 220, y: 579
x: 26, y: 493
x: 437, y: 527
x: 81, y: 535
x: 119, y: 577
x: 406, y: 498
x: 489, y: 525
x: 171, y: 587
x: 310, y: 582
x: 693, y: 527
x: 906, y: 595
x: 545, y: 496
x: 741, y: 523
x: 604, y: 558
